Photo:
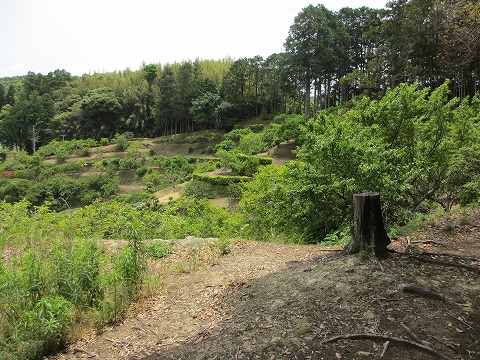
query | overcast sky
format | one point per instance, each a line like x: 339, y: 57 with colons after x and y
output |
x: 83, y: 36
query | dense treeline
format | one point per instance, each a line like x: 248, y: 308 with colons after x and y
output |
x: 330, y: 57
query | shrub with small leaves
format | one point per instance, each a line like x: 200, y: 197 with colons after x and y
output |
x: 157, y: 249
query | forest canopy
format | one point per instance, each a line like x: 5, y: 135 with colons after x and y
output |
x: 329, y: 58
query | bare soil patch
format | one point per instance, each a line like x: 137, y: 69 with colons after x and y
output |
x: 172, y: 193
x: 272, y: 301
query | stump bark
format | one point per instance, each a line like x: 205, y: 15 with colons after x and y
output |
x: 369, y: 233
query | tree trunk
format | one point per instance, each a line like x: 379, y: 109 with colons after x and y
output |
x: 368, y: 230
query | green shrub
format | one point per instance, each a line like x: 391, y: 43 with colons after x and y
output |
x: 128, y: 163
x: 248, y: 165
x: 221, y: 180
x: 157, y: 249
x: 253, y: 143
x: 61, y: 156
x: 141, y: 171
x: 227, y: 145
x: 84, y: 152
x: 122, y: 142
x: 44, y: 329
x: 256, y: 127
x: 204, y: 189
x: 154, y: 177
x: 13, y: 190
x: 236, y: 134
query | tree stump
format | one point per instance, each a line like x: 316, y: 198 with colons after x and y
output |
x: 368, y: 230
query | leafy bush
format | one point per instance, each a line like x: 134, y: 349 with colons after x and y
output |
x: 43, y: 329
x: 156, y: 249
x: 221, y: 180
x: 288, y: 127
x: 256, y: 127
x: 203, y: 188
x: 65, y: 148
x: 13, y: 190
x: 236, y: 134
x: 122, y: 141
x: 141, y: 171
x: 84, y: 152
x: 128, y: 163
x: 227, y: 145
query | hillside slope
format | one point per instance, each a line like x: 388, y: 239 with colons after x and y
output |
x: 271, y: 301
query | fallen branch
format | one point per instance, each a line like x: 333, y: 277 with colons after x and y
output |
x: 89, y: 354
x: 422, y: 291
x: 446, y: 263
x: 460, y: 257
x: 379, y: 264
x: 412, y: 334
x: 146, y: 327
x: 378, y: 337
x: 186, y: 338
x: 428, y: 242
x: 385, y: 347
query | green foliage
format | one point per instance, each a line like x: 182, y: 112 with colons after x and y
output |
x: 253, y: 143
x: 141, y: 171
x: 43, y: 329
x: 223, y: 245
x: 203, y: 186
x: 122, y: 142
x: 3, y: 153
x: 235, y: 135
x: 221, y: 180
x: 104, y: 141
x: 66, y: 147
x: 101, y: 107
x: 402, y: 146
x: 14, y: 190
x: 156, y: 249
x: 226, y: 145
x: 288, y: 127
x: 172, y: 170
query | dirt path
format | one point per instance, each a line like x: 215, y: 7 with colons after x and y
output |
x: 271, y: 301
x: 191, y: 301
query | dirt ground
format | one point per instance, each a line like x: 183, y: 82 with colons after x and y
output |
x: 272, y: 301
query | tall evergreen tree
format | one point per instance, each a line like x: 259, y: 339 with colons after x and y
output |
x: 164, y: 114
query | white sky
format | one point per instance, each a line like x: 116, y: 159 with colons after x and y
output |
x: 83, y: 36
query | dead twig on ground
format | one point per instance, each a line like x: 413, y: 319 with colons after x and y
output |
x: 146, y: 327
x: 379, y: 264
x: 88, y: 353
x: 428, y: 242
x: 186, y: 338
x: 385, y: 347
x: 460, y: 257
x: 379, y: 337
x: 411, y: 333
